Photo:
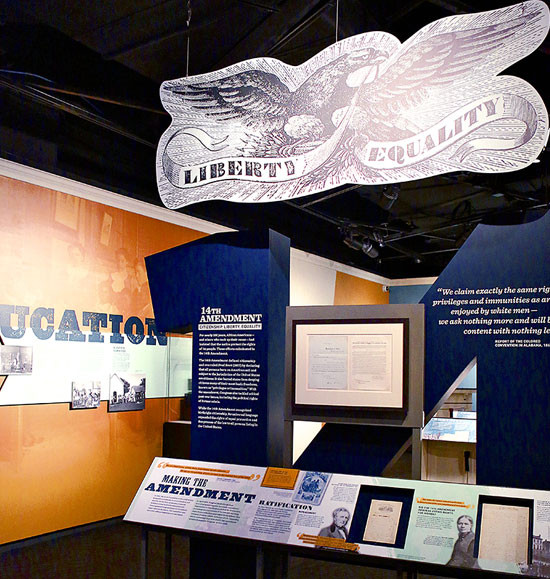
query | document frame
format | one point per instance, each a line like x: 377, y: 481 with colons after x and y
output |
x: 371, y: 495
x: 504, y: 529
x: 354, y: 363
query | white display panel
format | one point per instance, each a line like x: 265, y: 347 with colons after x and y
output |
x: 57, y: 364
x: 180, y: 357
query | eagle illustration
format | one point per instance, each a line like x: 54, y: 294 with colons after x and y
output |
x: 261, y: 100
x: 365, y: 91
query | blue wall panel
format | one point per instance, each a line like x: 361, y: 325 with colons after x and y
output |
x: 493, y: 302
x: 201, y: 286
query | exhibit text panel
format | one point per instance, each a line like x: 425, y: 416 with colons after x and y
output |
x: 397, y: 519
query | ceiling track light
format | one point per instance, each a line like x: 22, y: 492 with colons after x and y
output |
x: 406, y: 252
x: 361, y: 243
x: 368, y: 248
x: 352, y: 242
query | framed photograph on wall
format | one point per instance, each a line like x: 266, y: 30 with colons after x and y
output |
x: 15, y: 360
x: 126, y: 391
x: 85, y: 394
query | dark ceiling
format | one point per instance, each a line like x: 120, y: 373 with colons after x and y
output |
x: 79, y: 84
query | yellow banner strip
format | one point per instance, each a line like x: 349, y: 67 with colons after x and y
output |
x: 208, y: 471
x: 329, y: 542
x: 442, y: 502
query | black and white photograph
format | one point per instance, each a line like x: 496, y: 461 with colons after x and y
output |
x: 15, y: 359
x: 85, y: 394
x: 126, y: 392
x: 338, y: 527
x: 463, y: 549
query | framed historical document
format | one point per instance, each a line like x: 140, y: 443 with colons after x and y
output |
x: 505, y: 533
x: 359, y: 364
x: 352, y: 363
x: 382, y: 522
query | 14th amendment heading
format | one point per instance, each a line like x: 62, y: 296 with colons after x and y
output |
x: 214, y: 319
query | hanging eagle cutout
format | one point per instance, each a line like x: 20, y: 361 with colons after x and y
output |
x: 366, y: 110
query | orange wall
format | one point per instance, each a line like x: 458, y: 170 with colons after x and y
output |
x: 63, y: 468
x: 41, y: 231
x: 350, y: 291
x: 60, y: 468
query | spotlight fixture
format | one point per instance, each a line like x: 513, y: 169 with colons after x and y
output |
x: 361, y: 243
x: 377, y: 236
x: 367, y: 247
x: 352, y: 242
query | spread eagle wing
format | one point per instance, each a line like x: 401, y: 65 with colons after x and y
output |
x: 254, y: 97
x: 423, y: 66
x: 261, y: 100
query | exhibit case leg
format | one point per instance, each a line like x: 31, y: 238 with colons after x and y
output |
x: 167, y: 555
x: 416, y: 453
x: 144, y: 552
x: 274, y: 563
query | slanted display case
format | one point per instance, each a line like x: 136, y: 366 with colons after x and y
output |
x: 445, y: 529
